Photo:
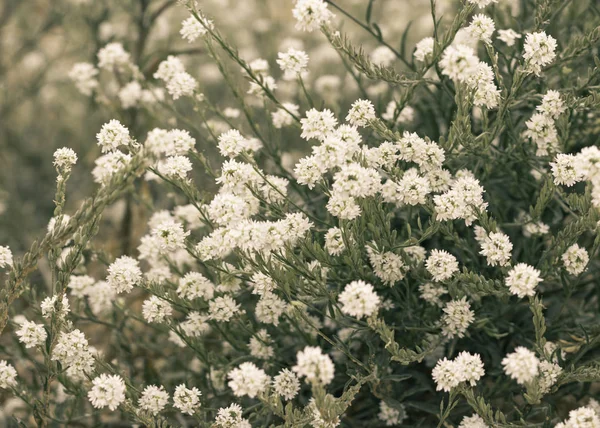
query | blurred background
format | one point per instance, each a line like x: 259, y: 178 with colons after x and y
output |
x: 42, y: 110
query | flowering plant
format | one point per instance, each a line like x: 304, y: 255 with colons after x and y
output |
x: 429, y: 257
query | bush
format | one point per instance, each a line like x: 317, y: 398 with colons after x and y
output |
x: 414, y: 245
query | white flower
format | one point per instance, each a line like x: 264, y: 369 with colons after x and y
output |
x: 222, y: 308
x: 391, y: 415
x: 317, y: 124
x: 170, y: 235
x: 343, y: 206
x: 459, y: 62
x: 175, y: 167
x: 496, y: 247
x: 509, y: 36
x: 153, y: 399
x: 334, y: 242
x: 181, y: 85
x: 316, y: 367
x: 359, y: 299
x: 521, y: 365
x: 286, y: 384
x: 107, y: 391
x: 269, y: 308
x: 113, y: 55
x: 445, y: 375
x: 583, y: 417
x: 49, y: 307
x: 474, y: 421
x: 72, y: 351
x: 112, y: 135
x: 457, y: 318
x: 248, y: 380
x: 231, y: 417
x: 552, y: 105
x: 424, y: 49
x: 523, y: 279
x: 194, y: 285
x: 108, y: 165
x: 481, y: 28
x: 292, y: 63
x: 130, y: 94
x: 283, y: 116
x: 575, y: 259
x: 431, y: 293
x: 168, y: 68
x: 6, y: 257
x: 83, y: 74
x: 8, y: 375
x: 565, y: 171
x: 311, y: 14
x: 123, y: 274
x: 64, y: 159
x: 538, y: 51
x: 191, y: 28
x: 387, y: 266
x: 260, y: 345
x: 31, y: 334
x: 548, y: 375
x: 186, y: 400
x: 441, y: 265
x: 469, y: 367
x: 156, y: 310
x: 361, y: 113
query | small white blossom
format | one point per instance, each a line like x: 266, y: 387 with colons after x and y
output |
x: 575, y: 259
x: 361, y: 113
x: 112, y: 135
x: 286, y: 384
x: 441, y: 265
x: 314, y: 365
x: 521, y: 365
x: 186, y: 400
x: 107, y: 391
x: 154, y: 399
x: 248, y: 380
x: 359, y: 299
x: 31, y: 334
x: 311, y: 14
x: 523, y: 279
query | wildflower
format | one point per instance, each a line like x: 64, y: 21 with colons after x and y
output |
x: 459, y: 62
x: 496, y: 247
x: 359, y: 299
x: 260, y: 345
x: 269, y: 308
x: 424, y: 49
x: 248, y: 380
x: 181, y: 85
x: 107, y: 391
x: 156, y: 310
x: 222, y: 308
x: 112, y: 135
x: 521, y: 365
x: 123, y: 274
x: 186, y: 400
x: 445, y: 375
x: 64, y: 159
x: 391, y: 416
x: 431, y: 293
x: 387, y: 266
x: 49, y: 307
x: 108, y: 165
x: 286, y: 384
x: 6, y: 258
x: 469, y: 367
x: 311, y: 14
x: 548, y: 375
x: 457, y: 318
x: 293, y: 63
x: 481, y: 28
x: 168, y: 68
x: 473, y: 421
x: 72, y: 351
x: 523, y: 279
x: 83, y: 74
x: 575, y: 259
x: 317, y: 124
x: 441, y: 265
x: 316, y: 367
x: 564, y: 169
x: 170, y: 236
x: 175, y: 167
x: 361, y: 113
x: 31, y: 334
x: 192, y: 28
x: 552, y: 105
x: 334, y: 242
x: 154, y: 399
x: 8, y: 375
x: 194, y: 285
x: 284, y: 116
x: 231, y: 417
x: 113, y: 55
x: 538, y: 51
